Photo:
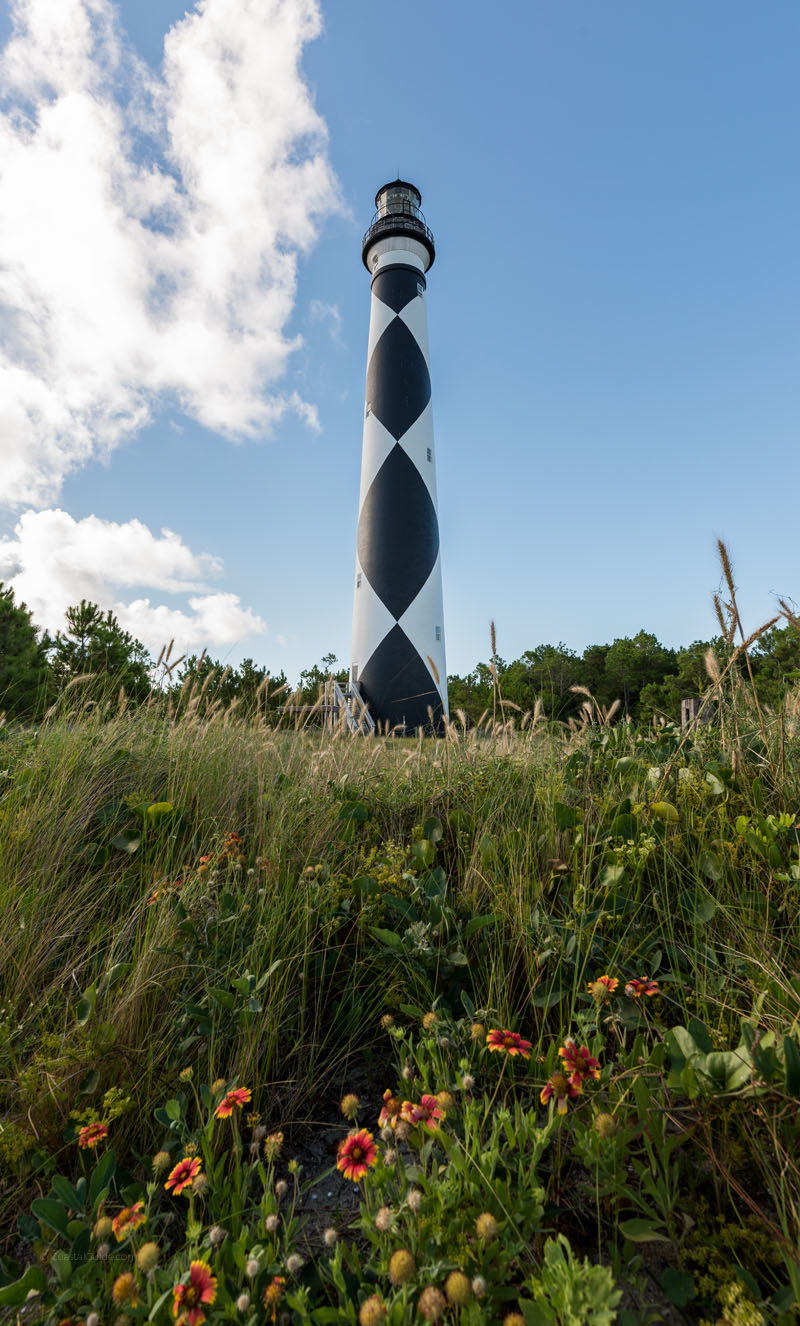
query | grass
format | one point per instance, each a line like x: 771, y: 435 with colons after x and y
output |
x: 488, y: 876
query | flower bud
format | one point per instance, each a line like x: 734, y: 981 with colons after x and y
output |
x: 330, y: 1237
x: 243, y: 1302
x: 477, y: 1031
x: 252, y: 1267
x: 103, y: 1228
x: 479, y: 1286
x: 606, y: 1126
x: 414, y: 1200
x: 468, y: 1081
x: 272, y: 1146
x: 429, y: 1020
x: 458, y: 1289
x: 431, y: 1303
x: 216, y: 1235
x: 349, y: 1105
x: 281, y: 1188
x: 102, y: 1252
x: 383, y: 1220
x: 371, y: 1312
x: 514, y: 1319
x: 402, y: 1267
x: 161, y: 1161
x: 387, y: 1021
x: 294, y: 1263
x: 271, y: 1223
x: 93, y: 1319
x: 486, y: 1227
x: 147, y: 1258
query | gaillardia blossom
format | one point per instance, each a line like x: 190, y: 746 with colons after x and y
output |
x: 578, y: 1062
x: 426, y: 1114
x: 391, y: 1112
x: 92, y: 1134
x: 232, y: 1100
x: 189, y: 1296
x: 563, y: 1088
x: 128, y: 1219
x: 636, y: 988
x: 603, y: 988
x: 273, y: 1295
x: 510, y: 1041
x: 357, y: 1152
x: 183, y: 1174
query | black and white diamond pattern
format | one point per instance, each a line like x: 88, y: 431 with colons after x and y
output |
x: 398, y: 634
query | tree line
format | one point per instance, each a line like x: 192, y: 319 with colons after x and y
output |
x: 94, y: 651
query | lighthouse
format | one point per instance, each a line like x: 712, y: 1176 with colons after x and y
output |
x: 398, y: 658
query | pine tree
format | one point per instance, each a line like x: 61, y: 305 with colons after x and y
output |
x: 94, y: 643
x: 26, y: 680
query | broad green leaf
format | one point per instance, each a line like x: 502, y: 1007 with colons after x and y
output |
x: 678, y: 1286
x: 102, y: 1175
x: 86, y: 1005
x: 664, y: 810
x: 51, y: 1213
x: 12, y: 1295
x: 89, y: 1083
x: 126, y: 841
x: 432, y: 830
x: 387, y: 937
x: 423, y: 853
x: 65, y: 1192
x: 642, y: 1231
x: 566, y: 816
x: 159, y: 810
x: 61, y: 1264
x: 791, y: 1056
x: 479, y: 923
x: 711, y: 866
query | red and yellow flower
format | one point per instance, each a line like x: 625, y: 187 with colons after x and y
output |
x: 563, y: 1088
x: 183, y: 1175
x: 510, y: 1041
x: 128, y: 1219
x: 357, y: 1152
x: 189, y: 1296
x: 92, y: 1133
x: 273, y: 1295
x: 603, y: 988
x: 427, y: 1114
x: 636, y: 988
x: 391, y: 1112
x: 233, y: 1100
x: 125, y: 1290
x: 578, y: 1062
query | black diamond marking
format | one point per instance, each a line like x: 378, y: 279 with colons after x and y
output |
x: 398, y: 381
x: 397, y: 286
x: 398, y: 686
x: 398, y: 532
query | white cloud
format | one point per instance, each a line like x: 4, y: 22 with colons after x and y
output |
x: 150, y: 227
x: 322, y: 312
x: 52, y: 561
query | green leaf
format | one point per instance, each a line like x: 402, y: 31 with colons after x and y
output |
x: 354, y: 810
x: 791, y: 1056
x: 624, y: 826
x: 222, y: 998
x: 102, y: 1175
x: 716, y: 784
x: 678, y: 1286
x: 433, y: 829
x: 159, y: 810
x: 12, y: 1295
x: 549, y: 999
x: 89, y: 1083
x: 127, y: 841
x: 566, y: 816
x: 423, y: 853
x: 642, y: 1231
x: 700, y: 1035
x: 387, y: 937
x: 479, y: 923
x: 172, y: 1109
x: 467, y: 1005
x: 728, y: 1069
x: 61, y: 1264
x: 50, y: 1213
x: 664, y: 810
x: 65, y: 1192
x: 711, y: 866
x: 115, y: 974
x: 86, y: 1005
x: 158, y: 1305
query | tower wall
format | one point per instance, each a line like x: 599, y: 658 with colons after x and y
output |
x: 398, y: 648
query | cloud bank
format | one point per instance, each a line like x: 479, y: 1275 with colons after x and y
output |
x: 52, y: 561
x: 150, y: 227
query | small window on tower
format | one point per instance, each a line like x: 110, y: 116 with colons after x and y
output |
x: 438, y: 632
x: 369, y: 408
x: 358, y: 580
x: 420, y: 288
x: 354, y: 673
x: 430, y: 454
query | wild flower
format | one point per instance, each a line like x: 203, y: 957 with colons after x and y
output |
x: 294, y: 1263
x: 103, y: 1228
x: 414, y: 1199
x: 216, y: 1235
x: 479, y: 1286
x: 357, y: 1152
x: 330, y: 1238
x: 93, y: 1133
x: 468, y: 1081
x: 429, y: 1020
x: 578, y: 1062
x: 161, y: 1161
x: 147, y: 1256
x: 391, y: 1111
x: 232, y: 1100
x: 183, y: 1174
x: 444, y: 1100
x: 273, y: 1295
x: 273, y: 1146
x: 636, y: 988
x: 486, y: 1227
x: 128, y: 1219
x: 124, y: 1289
x: 243, y: 1303
x: 563, y: 1088
x: 606, y: 1126
x: 371, y: 1312
x: 431, y: 1303
x: 426, y: 1114
x: 514, y: 1319
x: 384, y: 1218
x: 190, y: 1295
x: 603, y: 988
x: 477, y: 1031
x: 281, y: 1188
x: 402, y: 1267
x: 458, y: 1289
x: 349, y: 1105
x: 511, y: 1042
x: 271, y: 1223
x: 199, y: 1184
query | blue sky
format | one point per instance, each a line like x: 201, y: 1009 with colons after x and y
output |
x: 614, y: 335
